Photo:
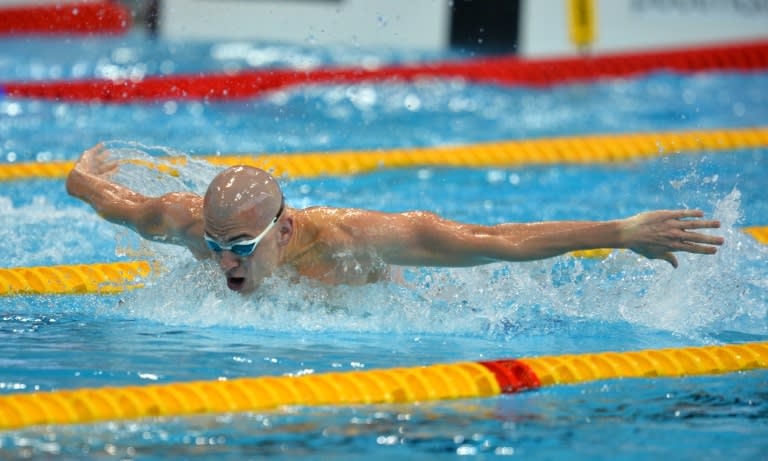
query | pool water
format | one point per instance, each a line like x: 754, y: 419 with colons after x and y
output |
x: 562, y: 305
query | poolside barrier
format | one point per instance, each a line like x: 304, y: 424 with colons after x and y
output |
x: 398, y: 385
x: 491, y: 70
x: 73, y: 17
x: 590, y: 149
x: 112, y: 278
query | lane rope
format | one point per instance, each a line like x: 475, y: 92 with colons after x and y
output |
x: 112, y: 278
x: 492, y: 70
x: 65, y: 18
x: 397, y: 385
x: 583, y: 150
x: 74, y: 279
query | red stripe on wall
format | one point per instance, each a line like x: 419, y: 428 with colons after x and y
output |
x: 65, y: 18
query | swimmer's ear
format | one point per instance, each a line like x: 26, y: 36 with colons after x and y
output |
x: 285, y: 230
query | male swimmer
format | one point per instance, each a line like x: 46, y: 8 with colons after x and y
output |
x: 244, y: 223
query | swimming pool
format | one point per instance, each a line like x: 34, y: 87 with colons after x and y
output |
x: 565, y: 305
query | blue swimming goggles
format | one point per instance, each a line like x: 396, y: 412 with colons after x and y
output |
x: 244, y: 248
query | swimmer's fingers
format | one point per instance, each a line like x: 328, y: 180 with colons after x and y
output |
x: 681, y: 214
x: 697, y: 224
x: 89, y: 154
x: 102, y: 164
x: 694, y: 248
x: 681, y: 219
x: 102, y: 154
x: 109, y: 168
x: 89, y: 159
x: 695, y: 237
x: 96, y: 161
x: 668, y: 257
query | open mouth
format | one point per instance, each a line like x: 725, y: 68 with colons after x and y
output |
x: 235, y: 283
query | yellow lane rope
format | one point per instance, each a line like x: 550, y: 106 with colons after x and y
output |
x: 760, y: 233
x: 105, y: 278
x: 398, y: 385
x: 565, y: 150
x: 568, y: 369
x: 110, y: 278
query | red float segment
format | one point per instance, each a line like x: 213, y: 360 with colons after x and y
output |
x: 512, y: 375
x: 195, y: 87
x: 498, y: 70
x: 65, y: 18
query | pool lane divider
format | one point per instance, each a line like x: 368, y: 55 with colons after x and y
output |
x: 65, y: 18
x: 75, y: 279
x: 581, y: 150
x: 464, y: 380
x: 505, y: 70
x: 113, y: 278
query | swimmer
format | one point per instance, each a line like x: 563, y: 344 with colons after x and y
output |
x: 244, y: 223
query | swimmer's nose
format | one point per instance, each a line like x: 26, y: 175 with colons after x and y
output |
x: 228, y: 260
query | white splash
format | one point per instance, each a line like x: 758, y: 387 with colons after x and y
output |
x: 192, y: 175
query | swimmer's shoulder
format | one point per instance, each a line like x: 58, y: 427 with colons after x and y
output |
x: 319, y: 218
x: 327, y: 216
x: 332, y: 223
x: 327, y: 213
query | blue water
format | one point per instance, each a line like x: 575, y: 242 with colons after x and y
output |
x: 563, y: 305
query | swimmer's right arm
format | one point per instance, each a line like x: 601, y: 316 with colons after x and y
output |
x: 172, y: 218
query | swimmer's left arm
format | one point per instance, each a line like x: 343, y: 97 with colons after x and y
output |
x: 172, y: 218
x: 426, y: 239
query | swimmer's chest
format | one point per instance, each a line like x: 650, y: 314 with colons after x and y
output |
x: 340, y: 267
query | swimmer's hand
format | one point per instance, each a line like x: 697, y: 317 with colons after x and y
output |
x: 95, y: 161
x: 657, y: 234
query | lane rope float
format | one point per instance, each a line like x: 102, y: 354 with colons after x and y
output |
x: 592, y: 149
x: 398, y: 385
x: 107, y: 278
x: 112, y: 278
x: 504, y: 70
x: 73, y: 17
x: 759, y: 233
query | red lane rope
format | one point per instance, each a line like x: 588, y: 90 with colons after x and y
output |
x: 498, y: 70
x: 65, y: 18
x: 512, y: 375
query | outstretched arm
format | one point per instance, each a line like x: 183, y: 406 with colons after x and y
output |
x: 426, y: 239
x: 172, y: 218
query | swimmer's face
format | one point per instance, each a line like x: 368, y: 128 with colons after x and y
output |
x: 246, y: 245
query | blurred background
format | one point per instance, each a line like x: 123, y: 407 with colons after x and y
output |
x: 526, y: 27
